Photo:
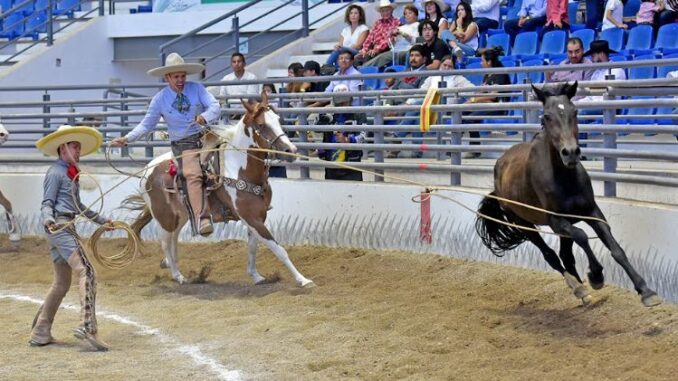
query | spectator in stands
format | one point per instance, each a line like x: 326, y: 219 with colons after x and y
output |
x: 239, y: 74
x: 405, y: 36
x: 556, y: 16
x: 434, y: 13
x: 346, y: 67
x: 341, y: 155
x: 648, y: 11
x: 353, y: 35
x: 489, y: 58
x: 451, y: 81
x: 462, y: 37
x: 594, y: 8
x: 575, y: 56
x: 434, y: 48
x: 614, y: 15
x: 418, y: 59
x: 486, y: 14
x: 295, y: 70
x: 670, y: 12
x: 312, y: 69
x: 274, y: 170
x: 269, y: 88
x: 445, y: 7
x: 532, y: 15
x: 380, y: 36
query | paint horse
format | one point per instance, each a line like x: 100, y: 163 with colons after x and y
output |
x: 547, y: 173
x: 242, y: 193
x: 14, y: 235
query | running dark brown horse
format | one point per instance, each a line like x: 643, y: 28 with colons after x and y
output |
x: 243, y: 193
x: 547, y: 173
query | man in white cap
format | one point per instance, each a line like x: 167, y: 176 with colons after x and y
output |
x: 60, y: 206
x: 185, y: 107
x: 381, y: 33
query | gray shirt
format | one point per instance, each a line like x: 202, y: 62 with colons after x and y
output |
x: 59, y: 199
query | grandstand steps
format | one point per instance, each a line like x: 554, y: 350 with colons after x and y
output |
x: 320, y: 58
x: 276, y: 73
x: 323, y: 47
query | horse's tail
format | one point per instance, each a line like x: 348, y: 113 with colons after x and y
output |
x: 137, y: 202
x: 496, y: 236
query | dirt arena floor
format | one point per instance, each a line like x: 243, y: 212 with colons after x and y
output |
x: 372, y: 316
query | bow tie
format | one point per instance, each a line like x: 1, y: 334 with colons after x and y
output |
x: 72, y: 172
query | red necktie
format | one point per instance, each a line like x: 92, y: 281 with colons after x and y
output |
x: 72, y: 172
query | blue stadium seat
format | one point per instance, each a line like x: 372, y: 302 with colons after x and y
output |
x: 553, y: 42
x: 372, y: 83
x: 617, y: 58
x: 662, y: 71
x: 36, y: 23
x: 667, y: 42
x: 67, y: 7
x: 12, y: 26
x: 525, y: 44
x: 398, y: 68
x: 41, y: 5
x: 631, y: 8
x: 25, y: 9
x: 614, y: 37
x: 500, y: 39
x: 6, y: 5
x: 637, y: 111
x: 534, y: 77
x: 476, y: 79
x: 640, y: 40
x: 509, y: 62
x: 572, y: 15
x: 586, y: 36
x: 646, y: 72
x: 512, y: 12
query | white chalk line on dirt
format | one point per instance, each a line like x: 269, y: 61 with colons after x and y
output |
x: 192, y: 351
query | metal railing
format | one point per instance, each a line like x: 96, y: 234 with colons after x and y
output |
x: 445, y: 138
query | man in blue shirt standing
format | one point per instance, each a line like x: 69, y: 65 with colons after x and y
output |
x: 185, y: 107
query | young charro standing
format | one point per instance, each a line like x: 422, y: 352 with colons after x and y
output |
x: 185, y: 107
x: 60, y: 205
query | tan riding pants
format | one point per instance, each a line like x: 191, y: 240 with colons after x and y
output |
x: 80, y: 265
x: 193, y: 175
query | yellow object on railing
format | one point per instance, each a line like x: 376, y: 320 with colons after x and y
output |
x: 427, y: 117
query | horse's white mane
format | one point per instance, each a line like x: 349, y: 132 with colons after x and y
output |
x: 224, y: 131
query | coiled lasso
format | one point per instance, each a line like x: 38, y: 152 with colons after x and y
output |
x: 119, y: 260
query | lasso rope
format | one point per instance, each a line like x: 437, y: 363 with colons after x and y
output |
x: 122, y: 259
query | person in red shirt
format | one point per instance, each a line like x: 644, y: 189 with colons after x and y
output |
x: 380, y: 35
x: 556, y: 16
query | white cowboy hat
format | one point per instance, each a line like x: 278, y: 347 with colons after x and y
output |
x: 89, y: 139
x: 440, y: 3
x: 384, y: 4
x: 174, y: 63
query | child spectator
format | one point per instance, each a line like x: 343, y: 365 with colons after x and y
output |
x: 614, y: 15
x: 648, y: 11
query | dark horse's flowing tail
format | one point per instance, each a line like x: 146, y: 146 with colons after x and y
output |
x: 136, y: 202
x: 496, y: 236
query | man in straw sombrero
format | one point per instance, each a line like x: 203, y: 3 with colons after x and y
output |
x: 60, y: 206
x: 185, y: 107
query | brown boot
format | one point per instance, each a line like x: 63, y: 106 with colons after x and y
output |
x: 205, y: 228
x: 42, y: 324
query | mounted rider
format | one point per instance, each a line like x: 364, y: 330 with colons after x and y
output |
x: 186, y: 107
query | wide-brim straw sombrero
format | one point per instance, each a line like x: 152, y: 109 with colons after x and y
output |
x: 90, y: 140
x: 174, y: 63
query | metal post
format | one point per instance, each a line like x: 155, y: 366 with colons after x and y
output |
x: 304, y: 18
x: 235, y: 28
x: 527, y: 95
x: 439, y: 135
x: 101, y: 7
x: 379, y: 139
x: 531, y: 116
x: 71, y: 119
x: 50, y: 23
x: 304, y: 172
x: 124, y: 151
x: 609, y: 141
x: 46, y: 110
x: 455, y: 139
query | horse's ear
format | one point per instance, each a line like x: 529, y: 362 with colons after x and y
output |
x: 539, y: 93
x: 247, y: 106
x: 571, y: 90
x: 264, y: 97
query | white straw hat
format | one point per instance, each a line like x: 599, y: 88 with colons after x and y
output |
x: 384, y: 4
x: 174, y: 63
x: 89, y: 139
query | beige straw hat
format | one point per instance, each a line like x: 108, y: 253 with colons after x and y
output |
x: 89, y: 139
x: 174, y: 63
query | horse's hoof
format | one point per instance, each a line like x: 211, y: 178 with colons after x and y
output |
x: 307, y: 284
x: 163, y: 263
x: 260, y: 281
x: 180, y: 279
x: 587, y: 300
x: 14, y: 237
x: 651, y: 300
x: 596, y: 281
x: 581, y: 292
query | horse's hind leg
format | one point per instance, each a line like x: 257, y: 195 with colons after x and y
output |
x: 14, y: 235
x: 262, y: 233
x: 252, y: 258
x: 168, y: 242
x: 647, y: 295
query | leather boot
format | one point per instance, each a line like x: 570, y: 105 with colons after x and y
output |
x: 42, y: 324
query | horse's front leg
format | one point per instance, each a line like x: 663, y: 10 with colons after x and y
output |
x: 261, y: 232
x: 647, y: 295
x: 562, y: 226
x: 13, y: 226
x: 168, y: 242
x: 252, y: 258
x: 567, y: 258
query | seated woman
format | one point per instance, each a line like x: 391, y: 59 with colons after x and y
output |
x: 489, y: 58
x: 462, y: 37
x: 405, y: 36
x: 434, y: 12
x: 353, y: 35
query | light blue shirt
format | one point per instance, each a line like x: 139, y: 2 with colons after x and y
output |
x: 532, y: 8
x: 179, y: 124
x: 352, y: 84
